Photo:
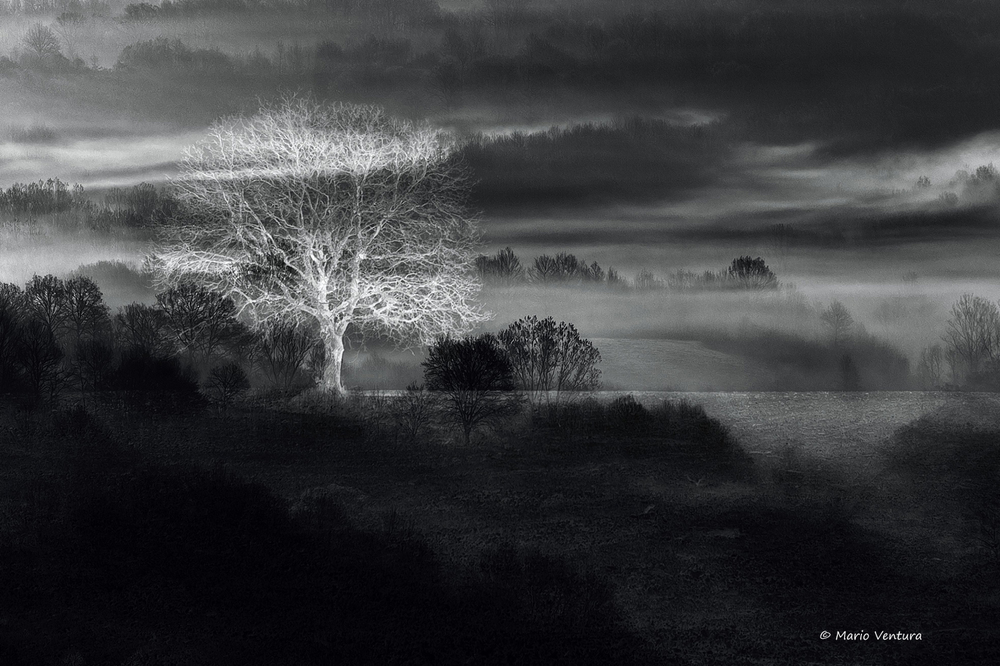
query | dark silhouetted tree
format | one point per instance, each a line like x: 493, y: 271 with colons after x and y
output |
x: 283, y: 352
x: 502, y: 269
x: 474, y: 377
x: 973, y: 332
x: 550, y: 359
x: 46, y: 302
x: 750, y: 273
x: 142, y: 331
x: 86, y: 313
x: 544, y: 270
x: 40, y: 359
x: 11, y: 316
x: 839, y: 321
x: 202, y: 321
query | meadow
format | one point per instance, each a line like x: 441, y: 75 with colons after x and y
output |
x: 296, y: 530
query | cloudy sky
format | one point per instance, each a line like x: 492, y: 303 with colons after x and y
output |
x: 825, y: 116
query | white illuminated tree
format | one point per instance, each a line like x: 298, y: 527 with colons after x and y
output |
x: 334, y: 216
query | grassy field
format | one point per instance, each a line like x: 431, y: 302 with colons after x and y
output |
x: 847, y: 427
x: 556, y: 540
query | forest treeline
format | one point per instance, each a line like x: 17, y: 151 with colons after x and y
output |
x: 58, y: 335
x: 70, y: 207
x: 504, y: 269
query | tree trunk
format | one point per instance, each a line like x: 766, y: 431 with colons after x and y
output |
x: 333, y: 342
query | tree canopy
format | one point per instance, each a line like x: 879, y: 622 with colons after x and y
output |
x: 330, y: 215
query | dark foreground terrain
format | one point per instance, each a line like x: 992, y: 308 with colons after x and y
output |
x: 305, y: 531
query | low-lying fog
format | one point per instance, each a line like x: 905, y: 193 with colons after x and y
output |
x: 893, y: 230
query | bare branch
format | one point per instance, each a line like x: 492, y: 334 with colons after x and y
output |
x: 333, y: 215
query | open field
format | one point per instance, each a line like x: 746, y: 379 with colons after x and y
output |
x: 846, y: 427
x: 705, y: 562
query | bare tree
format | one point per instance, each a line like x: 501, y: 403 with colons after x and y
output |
x: 45, y: 300
x: 143, y: 331
x: 545, y: 269
x: 86, y: 312
x: 548, y: 359
x: 973, y: 332
x: 225, y: 383
x: 503, y: 269
x: 283, y: 350
x: 840, y: 322
x: 11, y: 305
x: 931, y: 367
x: 40, y: 358
x: 333, y: 215
x: 474, y: 377
x: 41, y: 42
x: 202, y: 320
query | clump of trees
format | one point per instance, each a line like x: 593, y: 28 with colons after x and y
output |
x: 58, y: 336
x: 969, y: 352
x: 504, y: 269
x: 485, y: 378
x: 70, y: 206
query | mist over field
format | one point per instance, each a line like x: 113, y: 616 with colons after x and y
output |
x: 849, y: 146
x: 840, y: 144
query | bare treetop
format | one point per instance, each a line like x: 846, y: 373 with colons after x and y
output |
x: 299, y: 139
x: 334, y: 214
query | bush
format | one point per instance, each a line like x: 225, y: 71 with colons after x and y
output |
x: 159, y: 384
x: 957, y: 465
x: 225, y: 383
x: 626, y: 414
x: 414, y: 414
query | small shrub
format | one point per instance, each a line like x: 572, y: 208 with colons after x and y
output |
x: 414, y: 414
x: 225, y: 383
x: 627, y: 414
x: 955, y: 466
